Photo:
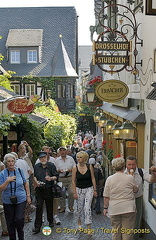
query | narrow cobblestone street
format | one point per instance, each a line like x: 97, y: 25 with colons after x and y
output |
x: 68, y: 227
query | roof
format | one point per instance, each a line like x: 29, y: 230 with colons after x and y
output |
x: 24, y: 37
x: 126, y: 113
x: 37, y: 118
x: 6, y: 94
x: 46, y: 23
x: 61, y: 64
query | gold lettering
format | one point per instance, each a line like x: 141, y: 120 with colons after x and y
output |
x: 111, y: 46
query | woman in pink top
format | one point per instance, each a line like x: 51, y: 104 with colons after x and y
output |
x: 119, y: 201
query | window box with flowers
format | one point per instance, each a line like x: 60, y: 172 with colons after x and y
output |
x: 94, y: 82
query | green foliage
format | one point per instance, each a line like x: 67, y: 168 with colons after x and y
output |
x: 4, y: 80
x: 61, y: 128
x: 82, y: 109
x: 109, y: 153
x: 33, y: 133
x: 6, y: 121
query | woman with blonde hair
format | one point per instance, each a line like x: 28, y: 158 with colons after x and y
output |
x: 119, y: 201
x: 84, y: 187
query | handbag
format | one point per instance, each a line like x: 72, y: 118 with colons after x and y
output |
x: 58, y: 190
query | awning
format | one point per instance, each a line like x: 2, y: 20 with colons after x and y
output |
x: 38, y: 119
x: 126, y: 113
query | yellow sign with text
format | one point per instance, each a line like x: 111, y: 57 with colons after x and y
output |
x: 111, y: 91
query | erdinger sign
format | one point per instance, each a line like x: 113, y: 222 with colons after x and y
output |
x: 20, y: 106
x: 111, y: 91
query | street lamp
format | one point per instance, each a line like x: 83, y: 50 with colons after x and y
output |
x: 127, y: 131
x: 109, y: 125
x: 102, y: 121
x: 117, y: 131
x: 96, y: 117
x: 90, y: 94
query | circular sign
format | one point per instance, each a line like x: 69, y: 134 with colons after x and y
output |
x: 46, y: 230
x: 111, y: 90
x: 20, y: 106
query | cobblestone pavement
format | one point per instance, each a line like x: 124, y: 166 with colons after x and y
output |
x: 66, y: 231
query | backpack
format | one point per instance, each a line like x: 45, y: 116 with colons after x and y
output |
x: 141, y: 173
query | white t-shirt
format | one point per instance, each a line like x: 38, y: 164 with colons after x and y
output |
x: 61, y: 164
x: 20, y: 163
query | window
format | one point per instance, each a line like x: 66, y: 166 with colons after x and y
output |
x: 16, y: 88
x: 30, y: 90
x: 32, y: 56
x: 61, y: 91
x: 150, y: 7
x: 15, y: 56
x: 70, y: 91
x: 152, y: 187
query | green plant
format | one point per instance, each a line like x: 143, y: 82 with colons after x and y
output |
x: 109, y: 153
x: 6, y: 121
x: 60, y: 129
x: 33, y: 133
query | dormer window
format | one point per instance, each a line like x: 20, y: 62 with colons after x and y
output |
x: 24, y: 45
x: 32, y: 56
x: 15, y: 56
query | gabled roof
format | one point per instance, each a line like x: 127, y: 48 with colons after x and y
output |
x: 61, y: 64
x: 24, y: 37
x: 54, y: 21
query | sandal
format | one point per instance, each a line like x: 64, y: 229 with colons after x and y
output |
x: 61, y: 210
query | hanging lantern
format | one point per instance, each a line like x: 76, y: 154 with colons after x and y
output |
x: 109, y: 125
x: 96, y: 117
x: 117, y: 131
x: 90, y: 94
x: 127, y: 131
x: 102, y: 121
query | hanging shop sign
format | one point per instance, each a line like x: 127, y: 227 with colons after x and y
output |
x: 20, y: 106
x: 111, y: 91
x: 112, y: 53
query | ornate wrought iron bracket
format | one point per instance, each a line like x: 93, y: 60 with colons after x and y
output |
x: 118, y: 24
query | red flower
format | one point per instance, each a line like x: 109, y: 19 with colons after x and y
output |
x: 117, y: 156
x: 104, y: 142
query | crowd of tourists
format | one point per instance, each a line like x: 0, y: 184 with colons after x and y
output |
x: 78, y: 169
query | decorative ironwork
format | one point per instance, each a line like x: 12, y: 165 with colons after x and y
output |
x: 117, y: 23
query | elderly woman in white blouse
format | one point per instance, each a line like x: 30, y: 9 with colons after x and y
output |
x: 119, y: 201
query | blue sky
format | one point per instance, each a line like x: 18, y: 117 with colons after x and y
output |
x: 84, y: 8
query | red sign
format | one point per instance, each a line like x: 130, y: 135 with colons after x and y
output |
x: 20, y: 106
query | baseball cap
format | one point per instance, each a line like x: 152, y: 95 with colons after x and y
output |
x: 62, y: 148
x: 91, y: 160
x: 42, y: 154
